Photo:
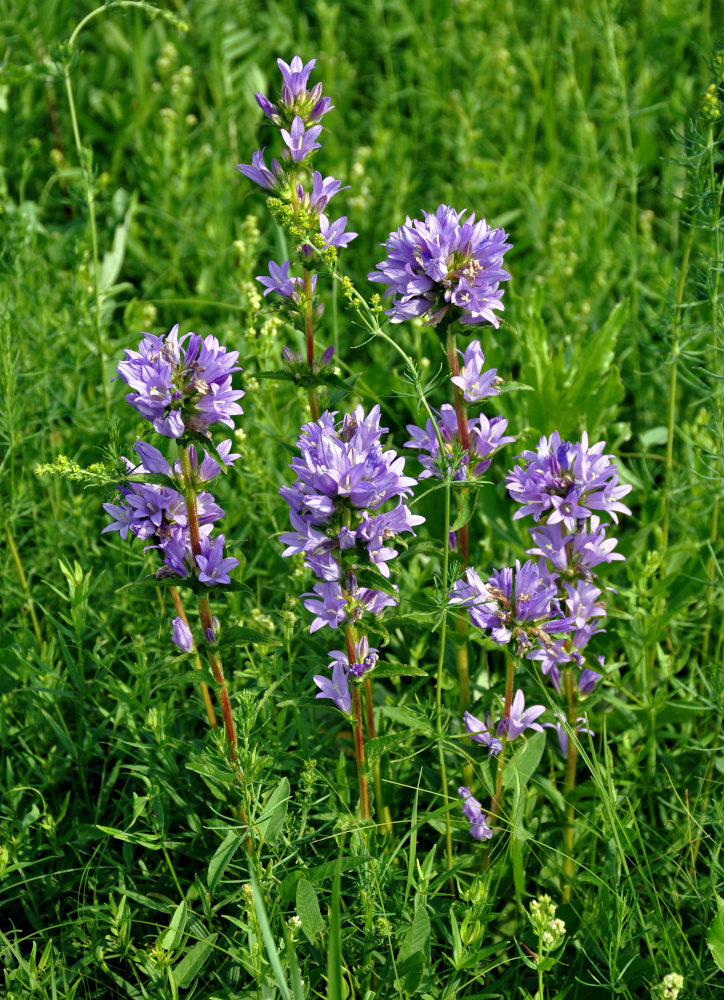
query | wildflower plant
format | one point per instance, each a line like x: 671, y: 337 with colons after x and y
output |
x: 182, y: 387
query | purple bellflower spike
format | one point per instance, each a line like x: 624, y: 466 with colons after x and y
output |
x: 473, y: 813
x: 337, y: 688
x: 213, y: 567
x: 181, y: 635
x: 301, y: 142
x: 444, y: 263
x: 565, y: 482
x: 474, y: 383
x: 483, y: 732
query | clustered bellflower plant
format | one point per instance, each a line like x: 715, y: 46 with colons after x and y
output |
x: 548, y: 609
x: 182, y: 387
x: 338, y: 504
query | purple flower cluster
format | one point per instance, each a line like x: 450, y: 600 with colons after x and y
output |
x: 561, y: 484
x: 444, y: 264
x: 296, y: 101
x: 567, y: 482
x: 517, y: 605
x: 181, y: 384
x: 486, y: 437
x: 157, y: 514
x: 344, y: 478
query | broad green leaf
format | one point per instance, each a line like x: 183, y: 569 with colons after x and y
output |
x: 520, y: 768
x: 410, y: 973
x: 466, y: 501
x: 272, y: 818
x: 380, y: 745
x: 222, y: 856
x: 193, y: 961
x: 397, y: 670
x: 308, y: 910
x: 175, y: 934
x: 715, y: 935
x: 417, y: 937
x: 238, y: 634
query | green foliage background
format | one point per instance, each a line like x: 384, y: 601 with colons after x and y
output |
x: 579, y: 128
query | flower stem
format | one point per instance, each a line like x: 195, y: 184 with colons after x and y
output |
x: 495, y: 800
x: 205, y: 694
x: 359, y: 739
x: 440, y: 671
x: 382, y: 810
x: 572, y: 759
x: 309, y: 337
x: 213, y: 657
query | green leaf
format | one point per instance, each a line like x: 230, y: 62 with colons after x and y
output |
x: 267, y: 936
x: 516, y: 857
x: 308, y: 910
x: 318, y: 874
x: 417, y: 937
x: 397, y: 670
x: 272, y: 818
x: 466, y: 501
x: 238, y: 634
x: 222, y: 856
x: 380, y: 745
x: 715, y: 935
x: 410, y: 973
x: 193, y: 961
x: 175, y: 934
x: 519, y: 769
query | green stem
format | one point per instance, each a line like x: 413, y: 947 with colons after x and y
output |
x: 24, y: 584
x: 358, y: 733
x: 89, y: 195
x: 382, y: 810
x: 571, y: 761
x: 673, y: 380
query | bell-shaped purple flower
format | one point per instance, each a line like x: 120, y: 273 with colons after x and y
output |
x: 473, y: 813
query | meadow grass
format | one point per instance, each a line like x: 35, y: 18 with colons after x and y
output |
x: 583, y: 130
